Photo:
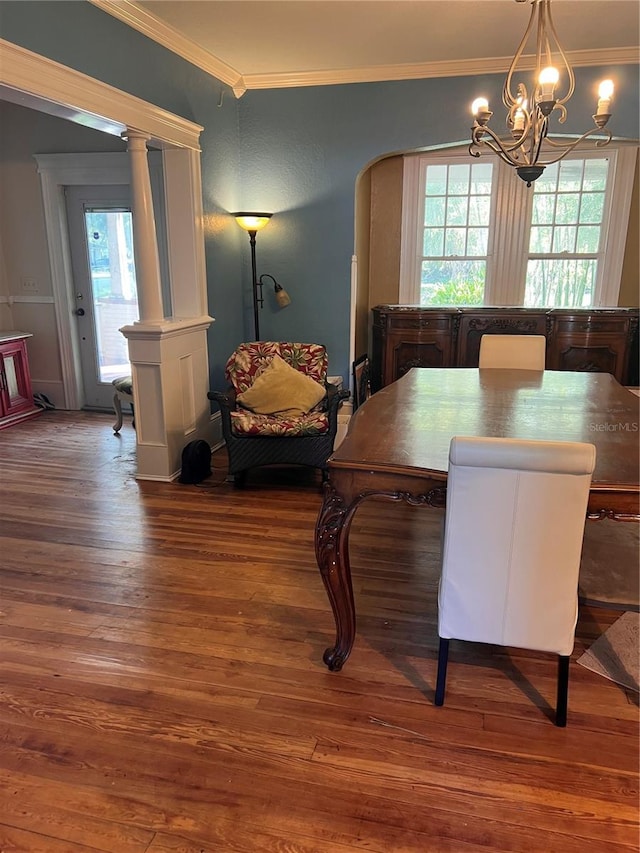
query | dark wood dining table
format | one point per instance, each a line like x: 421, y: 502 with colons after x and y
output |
x: 397, y: 448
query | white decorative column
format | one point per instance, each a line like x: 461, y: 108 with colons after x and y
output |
x: 145, y: 241
x: 169, y: 358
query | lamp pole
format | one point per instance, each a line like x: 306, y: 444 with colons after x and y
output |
x: 252, y: 223
x: 255, y: 284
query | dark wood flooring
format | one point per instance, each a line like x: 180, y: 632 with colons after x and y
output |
x: 162, y: 686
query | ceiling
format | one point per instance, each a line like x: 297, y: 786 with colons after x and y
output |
x: 252, y: 44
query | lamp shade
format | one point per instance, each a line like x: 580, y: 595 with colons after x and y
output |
x: 252, y: 221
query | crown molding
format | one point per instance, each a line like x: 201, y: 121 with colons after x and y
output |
x: 32, y: 78
x: 156, y: 29
x: 425, y: 70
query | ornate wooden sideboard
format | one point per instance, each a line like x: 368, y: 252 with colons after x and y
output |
x: 604, y: 340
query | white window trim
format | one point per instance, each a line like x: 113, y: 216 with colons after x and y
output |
x: 506, y: 271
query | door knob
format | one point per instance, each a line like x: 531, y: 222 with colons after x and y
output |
x: 79, y: 312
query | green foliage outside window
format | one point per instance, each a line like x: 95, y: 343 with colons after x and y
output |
x: 458, y: 293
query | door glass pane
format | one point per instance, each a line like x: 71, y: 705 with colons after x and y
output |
x: 113, y: 284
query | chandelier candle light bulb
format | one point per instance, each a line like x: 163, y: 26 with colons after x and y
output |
x: 481, y: 111
x: 605, y: 93
x: 548, y: 81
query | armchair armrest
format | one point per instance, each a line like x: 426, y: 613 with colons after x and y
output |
x: 225, y: 399
x: 334, y: 397
x: 227, y: 402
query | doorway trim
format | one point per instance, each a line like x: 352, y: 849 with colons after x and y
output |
x: 58, y: 171
x: 34, y: 81
x: 37, y: 82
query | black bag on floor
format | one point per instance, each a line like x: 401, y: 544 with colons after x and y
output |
x: 196, y: 462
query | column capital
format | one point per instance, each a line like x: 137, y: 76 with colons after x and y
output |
x: 132, y: 134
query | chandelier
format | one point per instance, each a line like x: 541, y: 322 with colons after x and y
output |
x: 529, y: 148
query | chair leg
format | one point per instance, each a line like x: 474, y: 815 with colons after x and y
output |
x: 443, y: 657
x: 563, y: 690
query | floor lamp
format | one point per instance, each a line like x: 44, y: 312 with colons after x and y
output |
x: 252, y: 223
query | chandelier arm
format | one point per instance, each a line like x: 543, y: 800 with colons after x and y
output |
x: 542, y: 43
x: 503, y: 155
x: 499, y: 144
x: 496, y: 145
x: 508, y: 98
x: 568, y: 148
x: 540, y: 134
x: 569, y: 70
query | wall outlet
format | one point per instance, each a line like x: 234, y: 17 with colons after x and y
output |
x: 29, y: 285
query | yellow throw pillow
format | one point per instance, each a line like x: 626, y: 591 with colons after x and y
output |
x: 281, y: 390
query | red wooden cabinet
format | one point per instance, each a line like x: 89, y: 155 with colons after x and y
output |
x: 16, y: 395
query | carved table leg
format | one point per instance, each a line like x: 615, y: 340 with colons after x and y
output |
x: 332, y: 553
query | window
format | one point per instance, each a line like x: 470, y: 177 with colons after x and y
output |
x: 474, y: 234
x: 457, y: 206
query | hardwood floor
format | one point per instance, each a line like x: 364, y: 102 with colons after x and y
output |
x: 162, y: 686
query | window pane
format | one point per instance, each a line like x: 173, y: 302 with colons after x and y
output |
x: 477, y: 240
x: 588, y: 239
x: 560, y: 283
x: 436, y: 183
x: 433, y: 242
x: 113, y: 286
x: 481, y: 176
x: 564, y: 239
x: 544, y: 206
x: 459, y: 180
x: 595, y: 175
x: 434, y: 211
x: 452, y: 283
x: 592, y: 208
x: 567, y: 208
x: 570, y: 176
x: 479, y: 210
x: 454, y: 243
x: 548, y: 180
x: 540, y: 242
x: 457, y: 210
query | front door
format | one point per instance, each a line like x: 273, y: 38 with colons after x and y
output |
x: 101, y: 241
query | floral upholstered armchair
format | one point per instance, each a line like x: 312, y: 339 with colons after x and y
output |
x: 279, y: 408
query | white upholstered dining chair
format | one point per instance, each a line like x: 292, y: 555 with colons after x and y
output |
x: 520, y: 352
x: 514, y: 524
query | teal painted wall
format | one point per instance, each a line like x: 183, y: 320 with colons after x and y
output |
x: 296, y: 152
